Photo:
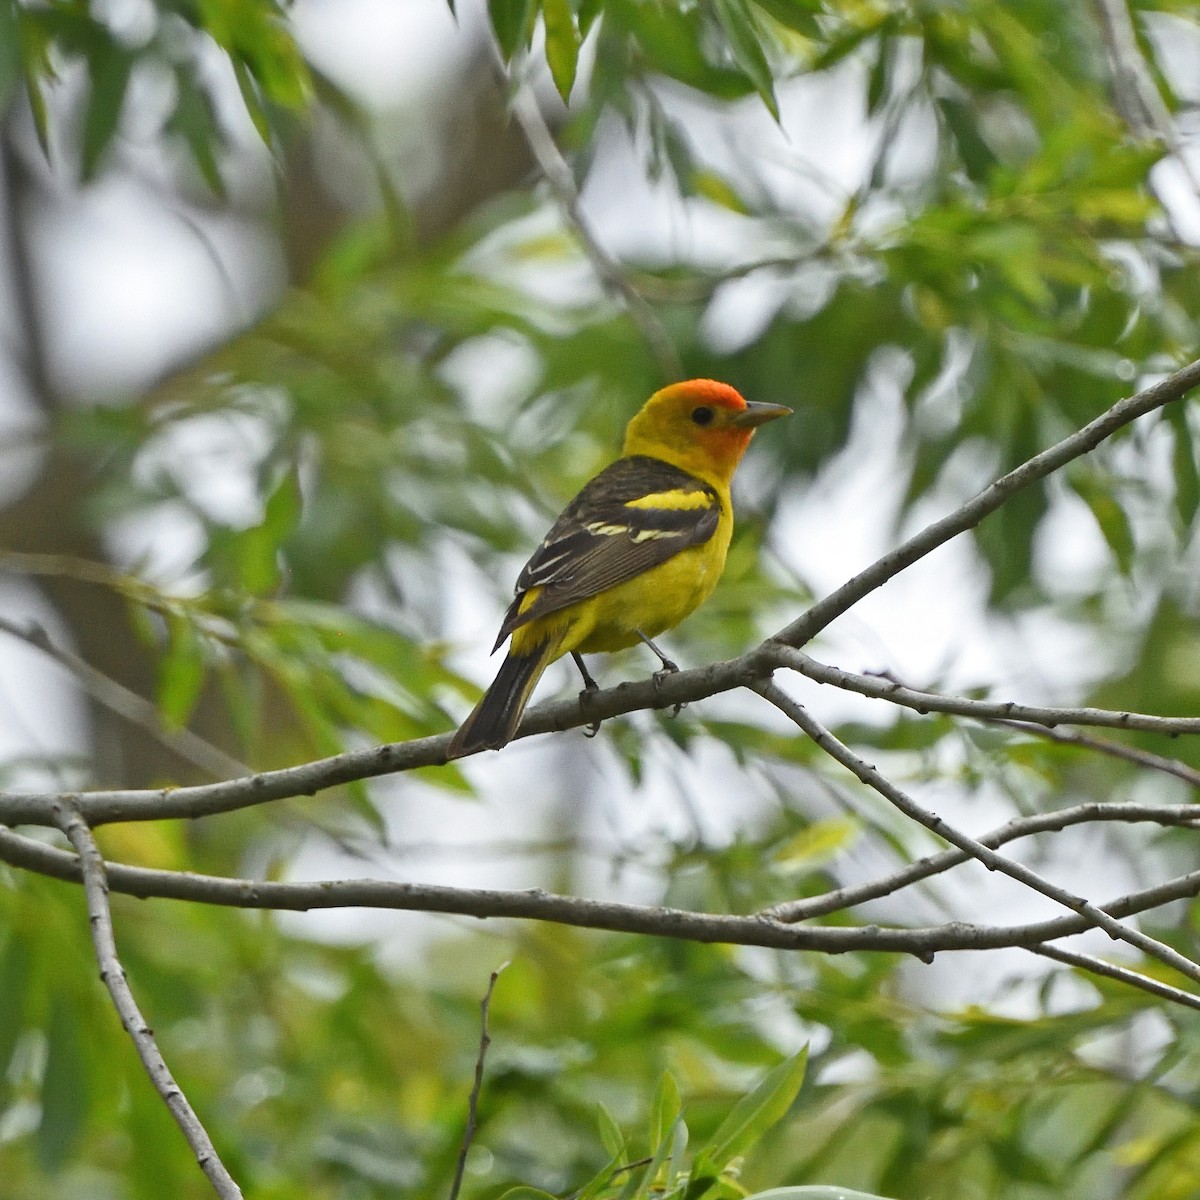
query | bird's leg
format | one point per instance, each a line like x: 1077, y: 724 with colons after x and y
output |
x: 668, y: 668
x: 589, y: 686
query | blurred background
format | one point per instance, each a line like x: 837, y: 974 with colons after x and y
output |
x: 315, y: 315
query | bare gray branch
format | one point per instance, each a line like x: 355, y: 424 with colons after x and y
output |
x: 91, y: 868
x: 972, y: 846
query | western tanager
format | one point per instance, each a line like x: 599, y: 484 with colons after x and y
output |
x: 640, y: 547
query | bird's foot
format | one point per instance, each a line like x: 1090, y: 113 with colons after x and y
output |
x: 585, y: 693
x: 668, y: 669
x: 589, y: 686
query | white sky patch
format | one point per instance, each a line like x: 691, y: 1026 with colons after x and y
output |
x: 381, y: 51
x: 42, y: 713
x: 22, y: 428
x: 130, y: 286
x: 213, y: 459
x: 160, y: 544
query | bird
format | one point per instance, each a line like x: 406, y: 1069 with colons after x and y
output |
x: 640, y: 547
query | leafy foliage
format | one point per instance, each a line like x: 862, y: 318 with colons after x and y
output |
x: 998, y: 269
x: 46, y: 41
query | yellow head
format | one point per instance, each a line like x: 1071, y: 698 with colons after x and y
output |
x: 700, y: 425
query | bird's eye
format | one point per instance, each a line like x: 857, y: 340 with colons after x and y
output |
x: 703, y: 415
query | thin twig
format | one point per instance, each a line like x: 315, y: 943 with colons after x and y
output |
x: 936, y: 864
x: 990, y: 859
x: 968, y: 515
x: 882, y: 687
x: 1099, y: 966
x: 91, y: 867
x: 1135, y: 94
x: 129, y: 587
x: 559, y: 178
x: 473, y: 1103
x: 1039, y: 721
x: 703, y: 280
x: 1142, y: 758
x: 25, y: 294
x: 68, y: 566
x: 126, y: 703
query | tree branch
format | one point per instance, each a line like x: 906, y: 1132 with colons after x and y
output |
x: 126, y: 703
x: 936, y: 864
x: 880, y: 687
x: 151, y: 804
x: 825, y: 611
x: 1142, y: 758
x: 868, y: 775
x: 1098, y: 966
x: 91, y: 869
x: 1135, y: 94
x: 535, y: 904
x: 561, y: 182
x: 473, y: 1102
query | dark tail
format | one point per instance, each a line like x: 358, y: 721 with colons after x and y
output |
x: 495, y: 718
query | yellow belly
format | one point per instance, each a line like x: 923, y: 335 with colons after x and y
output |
x: 653, y: 602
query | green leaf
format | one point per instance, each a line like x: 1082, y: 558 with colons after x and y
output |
x: 589, y: 12
x: 110, y: 68
x: 814, y: 1192
x: 848, y: 41
x: 252, y: 99
x: 676, y: 1144
x: 181, y: 673
x: 797, y: 15
x: 37, y: 108
x: 668, y: 1149
x: 258, y: 548
x: 665, y: 1109
x: 241, y: 690
x: 753, y: 1115
x: 1187, y: 476
x: 15, y: 971
x: 599, y: 1182
x: 879, y: 80
x: 195, y: 121
x: 1110, y: 516
x: 699, y: 1184
x: 513, y: 22
x: 65, y: 1092
x: 714, y: 187
x: 1005, y: 539
x: 526, y: 1193
x: 816, y: 844
x: 738, y: 23
x: 962, y: 121
x: 672, y: 39
x: 257, y: 35
x: 32, y: 44
x: 10, y: 51
x: 562, y: 44
x: 283, y: 507
x: 611, y: 1137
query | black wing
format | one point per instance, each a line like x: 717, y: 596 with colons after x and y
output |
x: 600, y: 540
